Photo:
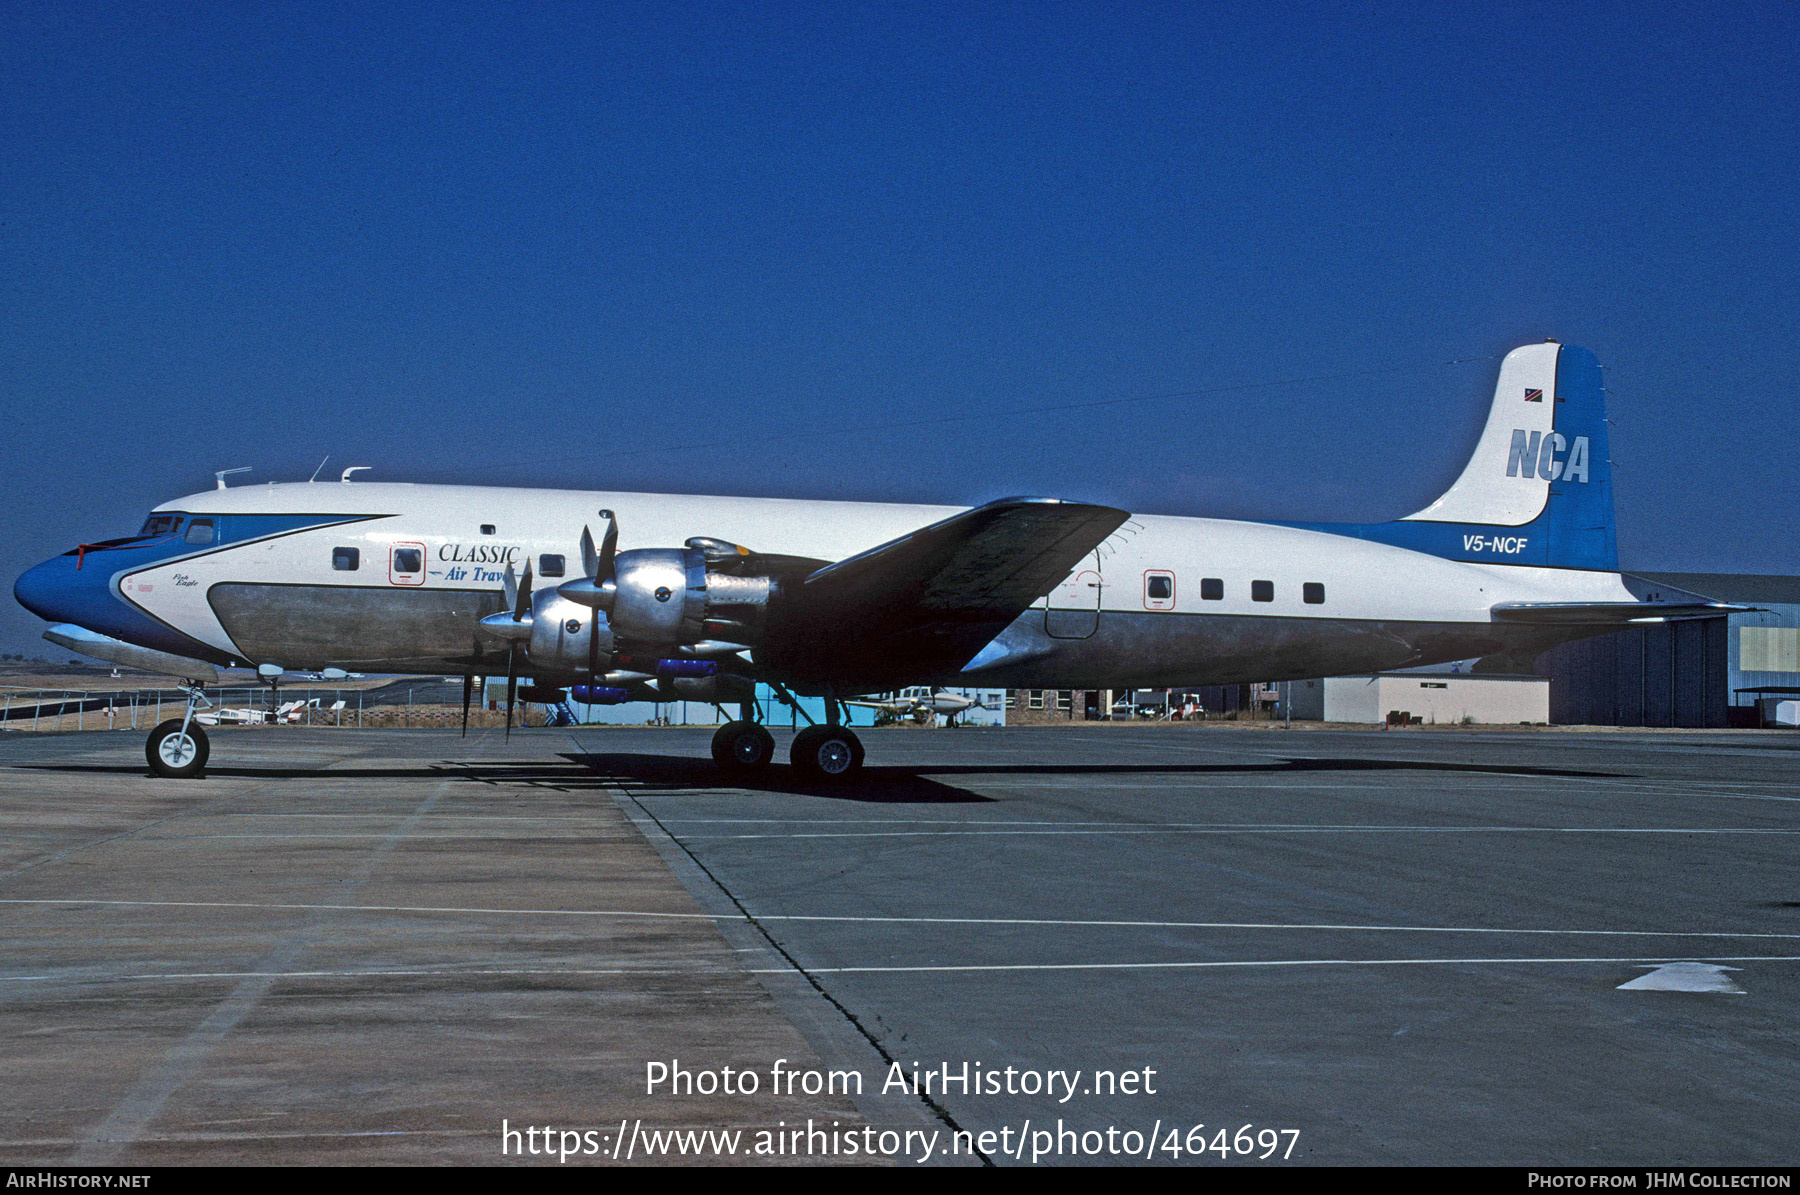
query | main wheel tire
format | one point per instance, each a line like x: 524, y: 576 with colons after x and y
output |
x: 742, y: 747
x: 175, y: 755
x: 826, y: 754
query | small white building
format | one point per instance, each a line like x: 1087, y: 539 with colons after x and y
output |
x: 1433, y: 697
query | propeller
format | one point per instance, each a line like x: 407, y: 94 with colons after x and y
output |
x: 468, y: 696
x: 597, y: 588
x: 514, y: 626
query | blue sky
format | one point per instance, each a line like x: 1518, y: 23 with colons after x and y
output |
x: 544, y: 244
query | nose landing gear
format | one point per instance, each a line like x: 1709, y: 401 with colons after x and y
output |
x: 178, y: 747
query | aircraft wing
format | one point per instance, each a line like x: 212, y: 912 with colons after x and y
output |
x: 933, y: 598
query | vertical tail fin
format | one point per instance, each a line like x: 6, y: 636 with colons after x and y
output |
x: 1541, y: 466
x: 1538, y: 487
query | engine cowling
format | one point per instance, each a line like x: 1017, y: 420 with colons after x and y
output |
x: 560, y: 631
x: 677, y: 600
x: 659, y: 596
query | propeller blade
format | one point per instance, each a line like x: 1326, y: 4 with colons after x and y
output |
x: 468, y: 696
x: 523, y: 606
x: 609, y: 548
x: 512, y: 683
x: 590, y: 560
x: 509, y: 588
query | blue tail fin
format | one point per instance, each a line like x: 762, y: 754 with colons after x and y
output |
x: 1538, y: 488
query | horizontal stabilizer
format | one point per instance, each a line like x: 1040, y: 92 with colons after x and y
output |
x: 1601, y: 613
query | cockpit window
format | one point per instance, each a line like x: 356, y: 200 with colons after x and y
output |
x: 200, y: 531
x: 162, y: 525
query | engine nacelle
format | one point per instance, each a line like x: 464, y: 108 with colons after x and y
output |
x: 675, y: 596
x: 560, y: 631
x: 659, y: 596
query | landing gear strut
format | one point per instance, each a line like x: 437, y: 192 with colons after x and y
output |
x: 178, y: 748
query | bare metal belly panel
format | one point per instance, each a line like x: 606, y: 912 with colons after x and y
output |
x: 1156, y: 650
x: 319, y: 626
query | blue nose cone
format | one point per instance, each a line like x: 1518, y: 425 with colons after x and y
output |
x: 45, y: 590
x: 77, y: 588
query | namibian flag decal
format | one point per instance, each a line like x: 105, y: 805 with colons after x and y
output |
x: 1534, y: 396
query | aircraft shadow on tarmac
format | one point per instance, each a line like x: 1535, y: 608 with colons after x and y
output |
x: 685, y: 773
x: 894, y: 784
x: 879, y: 785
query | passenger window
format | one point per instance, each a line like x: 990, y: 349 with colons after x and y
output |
x: 1212, y: 589
x: 487, y: 528
x: 1262, y: 591
x: 1159, y: 591
x: 408, y: 560
x: 1312, y: 593
x: 345, y: 560
x: 550, y: 566
x: 200, y: 531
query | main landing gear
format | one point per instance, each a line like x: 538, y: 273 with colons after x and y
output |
x: 743, y: 747
x: 826, y: 754
x: 178, y: 748
x: 820, y: 754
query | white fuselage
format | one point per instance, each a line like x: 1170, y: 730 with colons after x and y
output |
x: 1383, y: 606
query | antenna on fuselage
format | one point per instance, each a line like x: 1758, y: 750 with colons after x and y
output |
x: 319, y: 470
x: 222, y: 474
x: 354, y: 469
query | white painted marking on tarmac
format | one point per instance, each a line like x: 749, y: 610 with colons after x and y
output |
x: 1210, y: 964
x: 158, y: 1082
x: 1252, y: 829
x: 1246, y: 963
x: 1044, y: 922
x: 1685, y: 977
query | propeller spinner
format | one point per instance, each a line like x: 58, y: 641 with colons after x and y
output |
x: 596, y: 590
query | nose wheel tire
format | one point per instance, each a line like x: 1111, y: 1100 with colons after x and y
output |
x: 826, y: 754
x: 174, y: 754
x: 742, y: 747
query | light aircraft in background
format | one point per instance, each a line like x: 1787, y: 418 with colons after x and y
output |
x: 699, y: 598
x: 922, y: 704
x: 287, y: 712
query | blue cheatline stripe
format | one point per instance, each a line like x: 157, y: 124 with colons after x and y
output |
x: 78, y: 586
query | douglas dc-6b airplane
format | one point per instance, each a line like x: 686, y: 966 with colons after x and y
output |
x: 846, y: 598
